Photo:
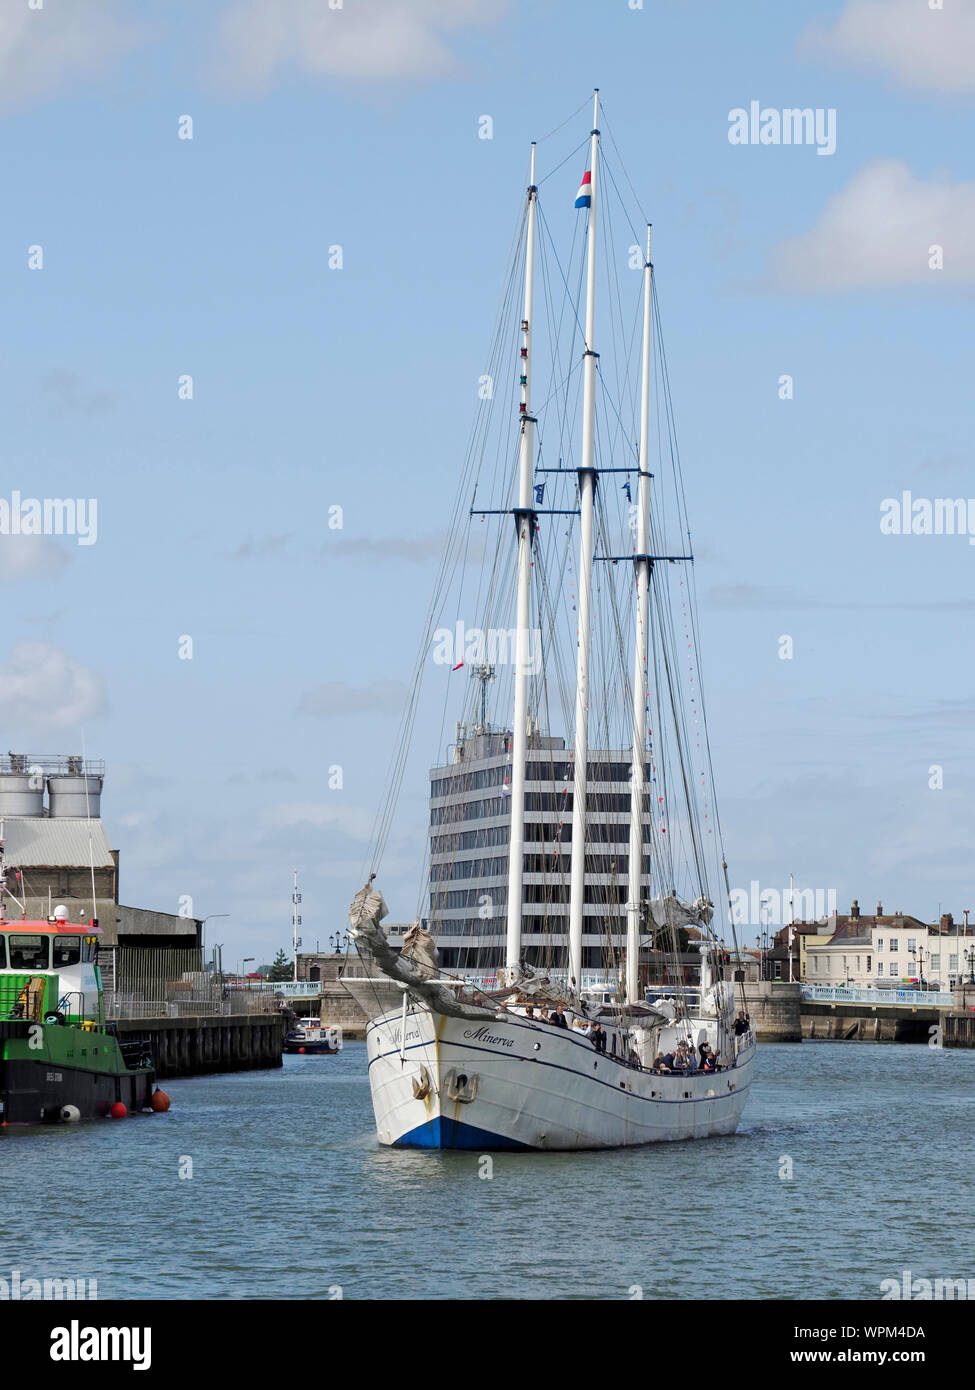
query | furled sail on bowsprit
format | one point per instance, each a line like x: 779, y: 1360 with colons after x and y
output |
x: 366, y: 912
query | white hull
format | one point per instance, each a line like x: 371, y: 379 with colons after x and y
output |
x: 509, y: 1083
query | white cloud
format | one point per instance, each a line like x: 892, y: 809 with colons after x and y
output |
x: 281, y: 821
x: 30, y: 557
x: 931, y: 50
x: 365, y: 41
x: 878, y: 232
x: 65, y: 393
x: 42, y: 49
x: 409, y: 550
x: 258, y: 547
x: 43, y: 687
x: 335, y: 698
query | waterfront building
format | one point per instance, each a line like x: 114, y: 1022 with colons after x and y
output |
x: 469, y: 828
x: 888, y: 951
x: 790, y: 941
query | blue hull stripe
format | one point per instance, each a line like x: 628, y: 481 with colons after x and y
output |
x: 445, y: 1133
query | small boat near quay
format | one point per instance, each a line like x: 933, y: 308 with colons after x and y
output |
x: 311, y: 1037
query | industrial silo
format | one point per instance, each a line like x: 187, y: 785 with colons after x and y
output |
x: 75, y: 793
x: 21, y: 790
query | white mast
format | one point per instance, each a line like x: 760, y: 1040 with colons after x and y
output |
x: 525, y: 523
x: 296, y: 922
x: 642, y: 563
x: 587, y: 491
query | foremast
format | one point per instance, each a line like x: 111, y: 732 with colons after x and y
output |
x: 587, y: 493
x: 643, y: 566
x: 524, y: 515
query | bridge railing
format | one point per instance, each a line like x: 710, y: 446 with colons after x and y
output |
x: 839, y: 994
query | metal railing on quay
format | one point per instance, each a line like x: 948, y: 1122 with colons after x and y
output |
x: 849, y: 994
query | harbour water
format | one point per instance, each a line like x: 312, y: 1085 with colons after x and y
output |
x: 291, y: 1197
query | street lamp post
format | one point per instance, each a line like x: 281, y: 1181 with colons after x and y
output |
x: 203, y: 925
x: 246, y: 961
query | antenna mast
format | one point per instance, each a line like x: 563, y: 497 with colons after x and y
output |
x: 296, y: 916
x: 587, y: 493
x: 484, y: 673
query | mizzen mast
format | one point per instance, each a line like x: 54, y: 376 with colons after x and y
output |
x: 643, y: 570
x: 525, y: 524
x: 587, y: 493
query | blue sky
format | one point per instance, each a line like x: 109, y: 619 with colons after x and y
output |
x: 315, y: 387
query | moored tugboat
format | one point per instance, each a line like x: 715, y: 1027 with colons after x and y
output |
x: 59, y: 1060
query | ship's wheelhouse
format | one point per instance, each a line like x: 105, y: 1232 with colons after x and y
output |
x: 48, y: 970
x: 26, y: 950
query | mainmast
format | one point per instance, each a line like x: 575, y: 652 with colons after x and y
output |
x: 525, y: 525
x: 587, y: 492
x: 643, y: 568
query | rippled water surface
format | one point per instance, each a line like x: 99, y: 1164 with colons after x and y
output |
x: 292, y: 1196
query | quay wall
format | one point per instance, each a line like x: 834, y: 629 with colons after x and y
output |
x: 868, y: 1022
x: 773, y: 1006
x: 192, y: 1046
x: 958, y: 1030
x: 342, y: 1011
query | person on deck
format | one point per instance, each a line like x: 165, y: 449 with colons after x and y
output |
x: 598, y: 1037
x: 558, y: 1018
x: 743, y: 1023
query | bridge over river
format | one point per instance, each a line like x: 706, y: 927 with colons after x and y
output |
x: 886, y: 1015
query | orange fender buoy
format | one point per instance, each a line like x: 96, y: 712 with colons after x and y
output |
x: 160, y: 1102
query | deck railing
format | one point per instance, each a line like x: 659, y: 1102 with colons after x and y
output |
x: 23, y: 997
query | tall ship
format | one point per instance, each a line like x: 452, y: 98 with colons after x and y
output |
x: 542, y: 998
x: 59, y: 1059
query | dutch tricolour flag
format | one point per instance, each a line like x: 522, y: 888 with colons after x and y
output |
x: 584, y: 196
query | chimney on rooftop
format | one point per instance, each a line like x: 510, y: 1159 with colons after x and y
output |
x: 855, y: 909
x: 880, y: 909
